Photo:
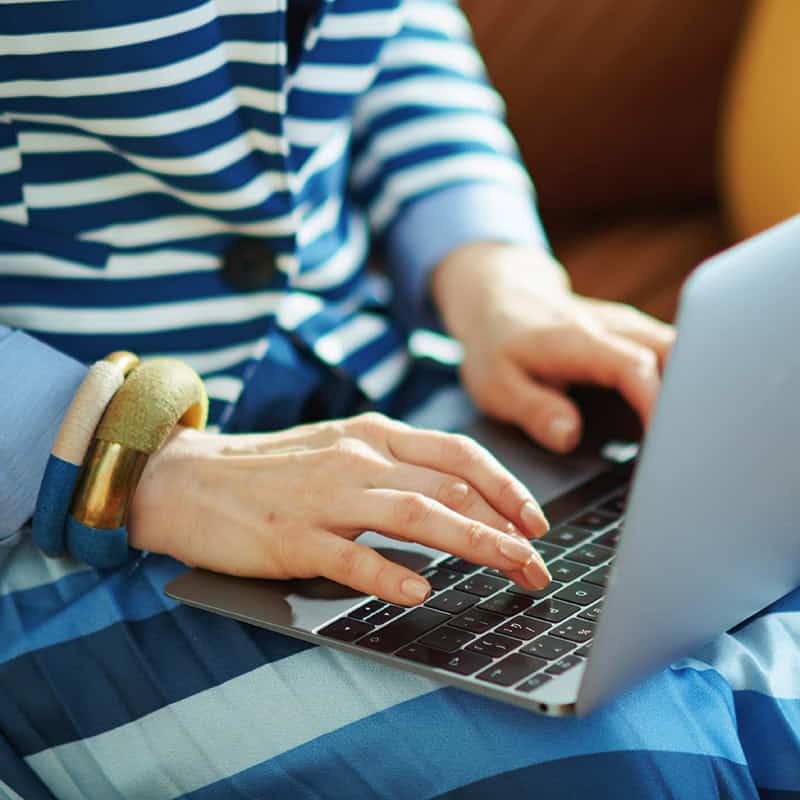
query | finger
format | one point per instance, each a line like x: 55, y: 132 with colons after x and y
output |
x: 544, y: 413
x: 414, y: 517
x: 629, y: 322
x: 463, y: 457
x: 449, y: 490
x: 592, y: 354
x: 362, y: 568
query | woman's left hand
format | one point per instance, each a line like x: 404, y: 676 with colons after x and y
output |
x: 527, y: 337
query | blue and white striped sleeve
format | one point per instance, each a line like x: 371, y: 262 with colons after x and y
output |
x: 38, y: 384
x: 433, y: 161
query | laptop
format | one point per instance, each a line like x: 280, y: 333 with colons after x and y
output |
x: 650, y: 558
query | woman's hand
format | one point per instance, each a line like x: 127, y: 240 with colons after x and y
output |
x: 527, y: 337
x: 290, y: 504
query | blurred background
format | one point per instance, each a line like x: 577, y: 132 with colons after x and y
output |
x: 657, y: 132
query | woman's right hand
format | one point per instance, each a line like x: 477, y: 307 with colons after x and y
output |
x: 290, y: 504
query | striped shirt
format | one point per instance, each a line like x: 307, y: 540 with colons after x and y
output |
x: 139, y: 141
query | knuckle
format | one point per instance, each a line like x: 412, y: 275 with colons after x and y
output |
x: 352, y: 451
x: 510, y: 490
x: 413, y: 510
x: 476, y: 533
x: 455, y: 494
x: 371, y: 423
x: 347, y: 562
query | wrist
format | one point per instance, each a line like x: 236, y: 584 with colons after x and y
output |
x: 475, y: 280
x: 165, y: 485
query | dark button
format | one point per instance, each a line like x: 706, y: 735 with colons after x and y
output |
x: 511, y: 669
x: 249, y: 265
x: 565, y: 536
x: 508, y: 605
x: 476, y: 621
x: 482, y: 585
x: 548, y: 647
x: 575, y: 630
x: 346, y: 630
x: 584, y: 594
x: 493, y: 645
x: 402, y: 630
x: 523, y: 628
x: 446, y: 638
x: 462, y: 663
x: 452, y: 601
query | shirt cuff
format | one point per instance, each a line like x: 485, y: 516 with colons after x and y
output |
x: 37, y: 384
x: 438, y: 223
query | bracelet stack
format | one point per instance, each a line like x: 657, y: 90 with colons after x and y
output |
x: 122, y: 413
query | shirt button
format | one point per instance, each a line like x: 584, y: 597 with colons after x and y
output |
x: 248, y: 264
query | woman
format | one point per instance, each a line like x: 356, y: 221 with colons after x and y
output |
x: 206, y: 180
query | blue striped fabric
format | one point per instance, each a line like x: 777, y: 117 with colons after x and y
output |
x: 137, y: 143
x: 110, y: 690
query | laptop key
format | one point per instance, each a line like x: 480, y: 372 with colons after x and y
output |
x: 482, y: 585
x: 452, y: 601
x: 535, y: 682
x: 576, y: 630
x: 565, y: 536
x: 446, y: 638
x: 346, y: 630
x: 599, y: 576
x: 592, y: 554
x: 509, y: 605
x: 494, y: 573
x: 583, y: 594
x: 536, y: 594
x: 385, y: 615
x: 403, y: 630
x: 463, y: 663
x: 552, y: 610
x: 592, y: 613
x: 476, y: 621
x: 584, y: 651
x: 548, y: 647
x: 493, y: 645
x: 442, y: 578
x: 610, y: 539
x: 563, y: 570
x: 594, y: 520
x: 511, y: 670
x: 523, y: 627
x: 366, y: 610
x: 548, y: 552
x: 568, y: 662
x: 461, y: 565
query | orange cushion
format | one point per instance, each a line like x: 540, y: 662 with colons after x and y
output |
x: 761, y: 131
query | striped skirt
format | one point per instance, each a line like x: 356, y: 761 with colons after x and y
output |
x: 108, y: 689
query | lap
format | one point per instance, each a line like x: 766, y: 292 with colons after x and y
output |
x: 110, y: 689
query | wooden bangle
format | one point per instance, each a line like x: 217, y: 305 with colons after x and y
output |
x: 72, y: 443
x: 157, y: 396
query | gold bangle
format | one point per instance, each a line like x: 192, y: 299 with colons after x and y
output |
x: 157, y: 396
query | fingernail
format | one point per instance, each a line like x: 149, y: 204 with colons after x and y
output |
x: 535, y: 521
x: 537, y: 573
x: 536, y: 570
x: 515, y: 549
x: 563, y: 433
x: 415, y: 590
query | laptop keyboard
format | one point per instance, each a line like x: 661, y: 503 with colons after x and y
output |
x: 478, y: 623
